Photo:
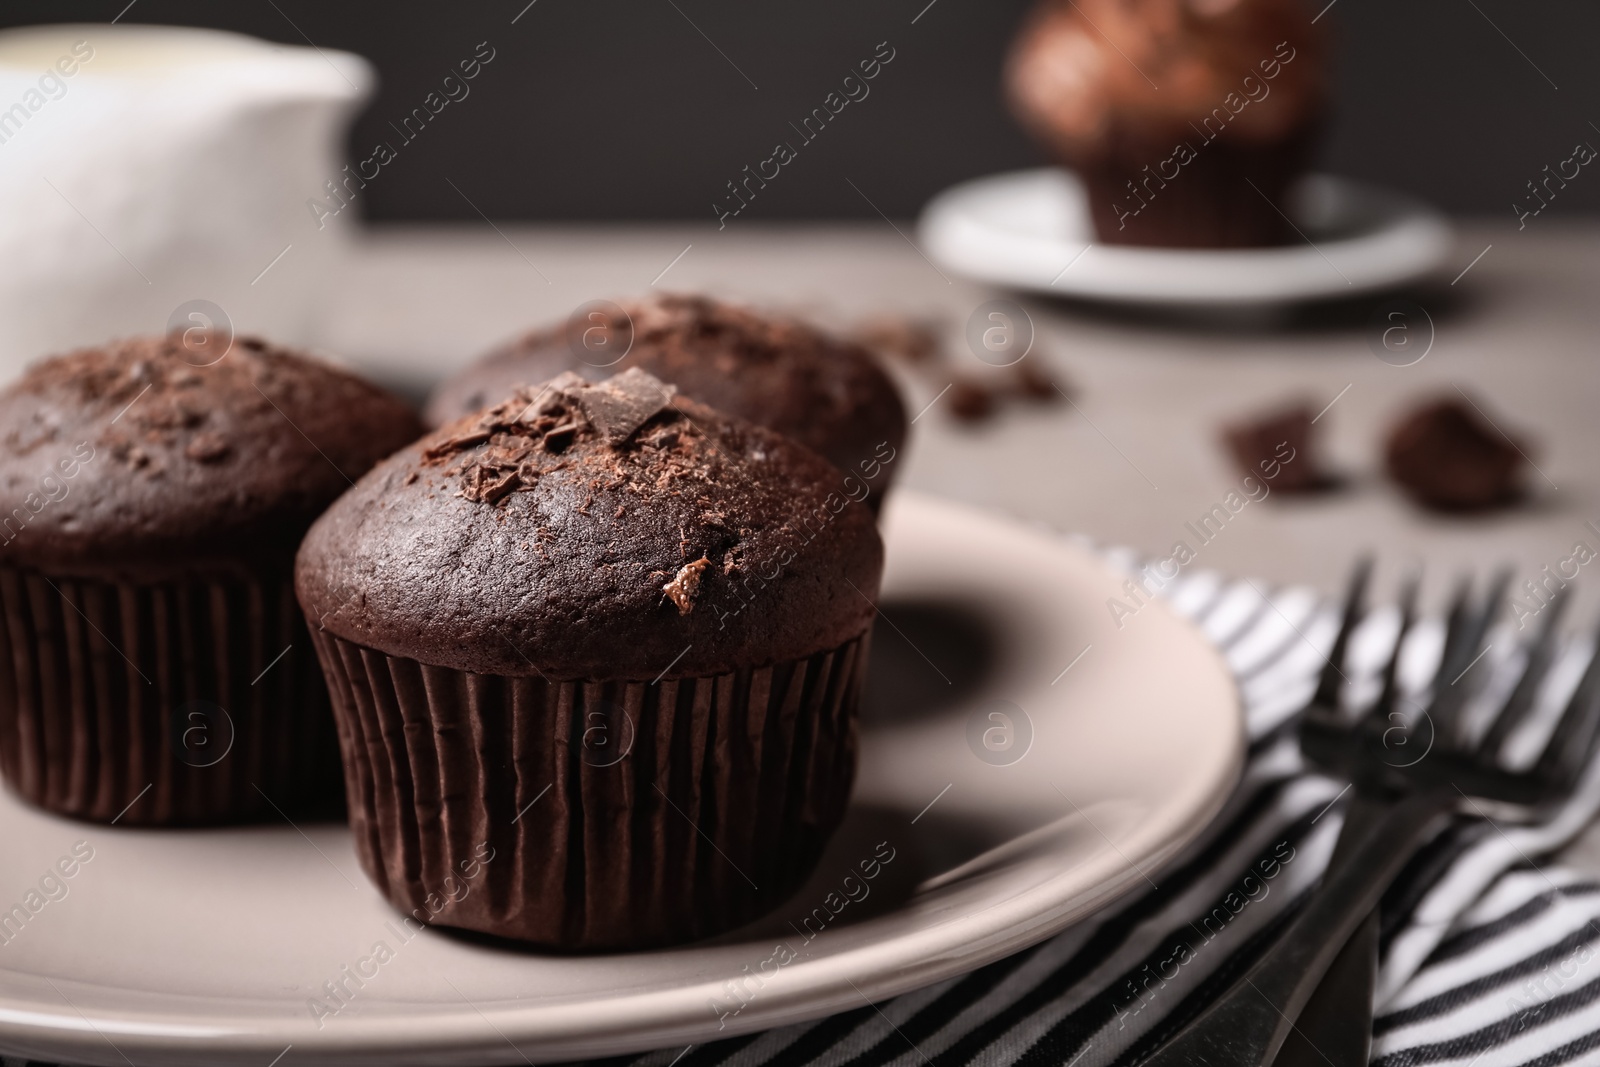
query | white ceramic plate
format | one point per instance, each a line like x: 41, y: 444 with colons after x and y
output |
x: 204, y: 947
x: 1030, y: 230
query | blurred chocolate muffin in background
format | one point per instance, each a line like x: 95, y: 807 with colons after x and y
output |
x: 826, y: 393
x: 1187, y: 120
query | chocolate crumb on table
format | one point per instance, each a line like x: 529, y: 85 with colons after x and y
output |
x: 898, y: 337
x: 971, y: 401
x: 1034, y: 384
x: 1284, y: 442
x: 1447, y: 456
x: 980, y: 392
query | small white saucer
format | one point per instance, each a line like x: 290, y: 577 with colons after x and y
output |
x: 1031, y: 230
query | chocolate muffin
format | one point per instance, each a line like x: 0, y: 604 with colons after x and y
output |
x: 157, y: 670
x: 1187, y: 120
x: 596, y: 654
x: 826, y: 393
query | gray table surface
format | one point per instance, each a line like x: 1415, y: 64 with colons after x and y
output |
x: 1136, y: 455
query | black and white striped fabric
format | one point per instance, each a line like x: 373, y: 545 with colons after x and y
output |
x: 1491, y: 955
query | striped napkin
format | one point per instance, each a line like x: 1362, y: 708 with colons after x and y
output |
x: 1495, y: 962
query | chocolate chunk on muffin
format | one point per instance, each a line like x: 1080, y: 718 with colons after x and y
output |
x: 596, y: 654
x: 826, y: 393
x: 1447, y: 456
x: 158, y: 668
x: 1187, y: 120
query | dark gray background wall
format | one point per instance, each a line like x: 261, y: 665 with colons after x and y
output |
x: 639, y: 109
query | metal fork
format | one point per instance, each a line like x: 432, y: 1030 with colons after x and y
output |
x: 1334, y: 1027
x: 1248, y: 1024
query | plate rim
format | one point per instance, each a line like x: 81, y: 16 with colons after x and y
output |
x: 1421, y: 234
x: 836, y: 982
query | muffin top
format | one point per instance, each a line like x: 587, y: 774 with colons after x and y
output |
x: 595, y: 531
x: 826, y: 393
x: 1083, y: 71
x: 134, y: 460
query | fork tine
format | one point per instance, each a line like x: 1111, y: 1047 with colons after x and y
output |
x: 1573, y: 741
x: 1323, y: 735
x: 1456, y: 629
x: 1449, y: 698
x: 1384, y: 706
x: 1485, y: 619
x: 1521, y: 700
x: 1327, y: 695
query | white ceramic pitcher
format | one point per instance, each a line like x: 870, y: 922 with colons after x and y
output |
x: 147, y: 169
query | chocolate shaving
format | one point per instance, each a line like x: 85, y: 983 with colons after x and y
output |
x: 685, y: 584
x: 206, y: 447
x: 450, y: 445
x: 505, y: 450
x: 618, y: 406
x: 489, y: 486
x: 554, y: 394
x: 559, y: 438
x: 549, y: 420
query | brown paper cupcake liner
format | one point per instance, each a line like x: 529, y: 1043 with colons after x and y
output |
x: 592, y: 815
x: 187, y: 702
x: 1227, y: 196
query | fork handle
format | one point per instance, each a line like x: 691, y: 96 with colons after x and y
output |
x: 1335, y: 1024
x: 1247, y: 1025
